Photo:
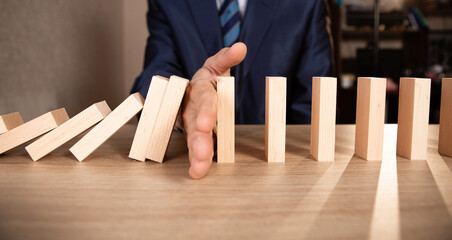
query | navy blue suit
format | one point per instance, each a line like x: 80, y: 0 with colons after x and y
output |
x: 284, y: 38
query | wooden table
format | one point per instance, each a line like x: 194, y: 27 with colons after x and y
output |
x: 110, y: 196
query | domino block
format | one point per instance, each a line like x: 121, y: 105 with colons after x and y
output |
x: 166, y: 118
x: 32, y: 129
x: 412, y: 131
x: 445, y: 120
x: 148, y: 118
x: 275, y: 119
x: 226, y: 120
x: 323, y: 118
x: 10, y: 121
x: 109, y: 126
x: 68, y: 130
x: 370, y: 117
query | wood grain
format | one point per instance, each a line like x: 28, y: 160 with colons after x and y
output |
x: 112, y: 197
x: 370, y: 117
x: 32, y: 129
x: 109, y: 126
x: 275, y: 119
x: 68, y: 130
x: 414, y: 105
x: 148, y: 118
x: 10, y: 121
x: 323, y: 118
x: 226, y: 120
x: 445, y: 121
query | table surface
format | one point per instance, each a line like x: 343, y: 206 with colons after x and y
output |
x: 110, y: 196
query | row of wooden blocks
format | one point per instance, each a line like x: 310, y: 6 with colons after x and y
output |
x: 160, y: 110
x: 413, y: 118
x: 159, y: 113
x: 412, y: 131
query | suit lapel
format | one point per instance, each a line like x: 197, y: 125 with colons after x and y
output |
x: 206, y: 18
x: 258, y: 17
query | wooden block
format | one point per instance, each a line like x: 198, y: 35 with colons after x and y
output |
x: 109, y: 126
x: 68, y: 130
x: 370, y: 118
x: 166, y: 118
x: 323, y: 118
x: 275, y: 119
x: 148, y: 118
x: 32, y: 129
x: 226, y: 120
x: 412, y: 131
x: 10, y: 121
x: 445, y: 120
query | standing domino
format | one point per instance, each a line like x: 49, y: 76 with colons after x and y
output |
x: 226, y: 120
x: 445, y: 121
x: 275, y: 119
x: 370, y: 117
x: 412, y: 132
x: 323, y: 118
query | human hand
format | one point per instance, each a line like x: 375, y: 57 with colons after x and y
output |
x: 199, y: 113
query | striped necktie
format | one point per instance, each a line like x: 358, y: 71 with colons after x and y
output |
x: 230, y: 22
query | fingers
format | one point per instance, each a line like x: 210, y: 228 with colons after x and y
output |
x: 207, y: 111
x: 204, y: 84
x: 200, y: 107
x: 200, y: 154
x: 221, y: 62
x: 200, y: 116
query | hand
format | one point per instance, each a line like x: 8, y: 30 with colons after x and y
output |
x: 199, y: 113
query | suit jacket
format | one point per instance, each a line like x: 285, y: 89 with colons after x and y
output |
x: 284, y: 38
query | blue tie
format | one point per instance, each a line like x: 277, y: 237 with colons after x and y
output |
x: 230, y: 22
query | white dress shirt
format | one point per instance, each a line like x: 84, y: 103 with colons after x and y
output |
x: 242, y: 6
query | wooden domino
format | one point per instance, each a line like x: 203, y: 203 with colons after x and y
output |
x: 148, y: 118
x: 166, y: 118
x: 445, y: 121
x: 412, y: 131
x: 109, y: 126
x: 226, y: 120
x: 323, y: 118
x: 68, y: 130
x: 32, y: 129
x: 370, y: 117
x: 10, y: 121
x: 275, y: 119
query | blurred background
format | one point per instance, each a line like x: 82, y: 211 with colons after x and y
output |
x: 61, y: 53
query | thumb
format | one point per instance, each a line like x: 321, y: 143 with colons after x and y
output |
x: 226, y: 58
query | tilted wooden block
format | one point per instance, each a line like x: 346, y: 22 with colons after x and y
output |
x: 109, y: 126
x: 226, y: 120
x: 10, y: 121
x: 445, y: 121
x: 68, y: 130
x: 412, y: 131
x: 32, y: 129
x: 275, y: 119
x: 148, y: 118
x: 370, y: 118
x: 166, y: 118
x: 323, y: 118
